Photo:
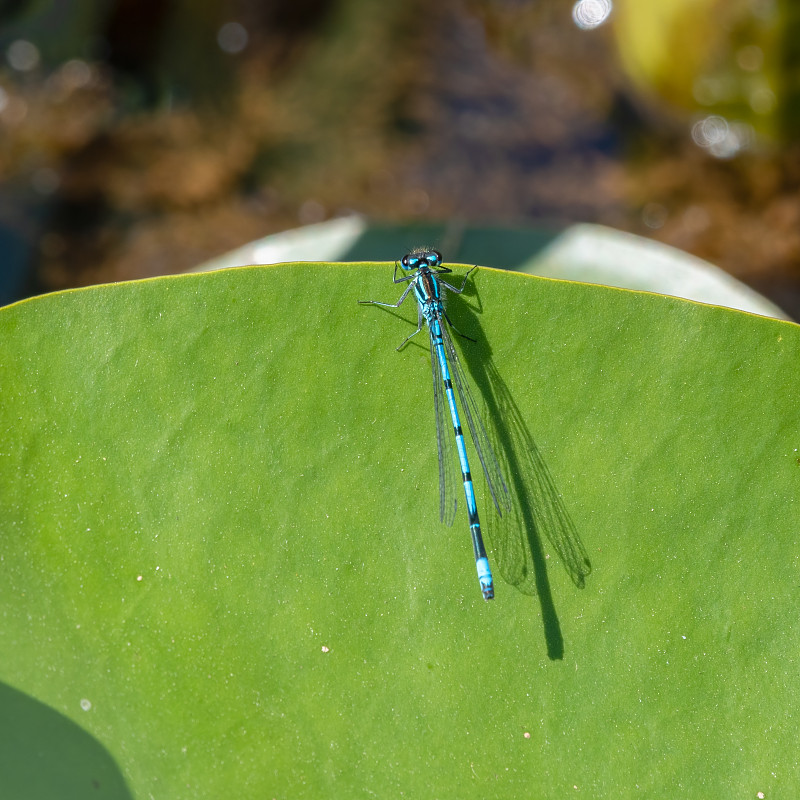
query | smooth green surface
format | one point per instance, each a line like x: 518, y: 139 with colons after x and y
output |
x: 221, y: 556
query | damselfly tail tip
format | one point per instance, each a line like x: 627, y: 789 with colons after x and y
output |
x: 485, y: 578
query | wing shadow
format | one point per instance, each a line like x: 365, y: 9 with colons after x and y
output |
x: 538, y: 508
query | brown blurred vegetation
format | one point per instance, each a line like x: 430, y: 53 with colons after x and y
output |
x: 138, y: 147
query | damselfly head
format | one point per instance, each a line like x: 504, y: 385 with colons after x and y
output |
x: 423, y: 257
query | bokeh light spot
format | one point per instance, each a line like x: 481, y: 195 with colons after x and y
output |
x: 22, y: 55
x: 589, y: 14
x: 721, y: 138
x: 232, y: 37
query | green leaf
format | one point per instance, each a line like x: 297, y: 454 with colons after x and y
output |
x: 222, y: 559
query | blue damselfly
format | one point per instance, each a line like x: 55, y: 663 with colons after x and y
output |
x: 425, y: 281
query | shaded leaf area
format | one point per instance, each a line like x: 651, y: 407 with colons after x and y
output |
x: 219, y: 529
x: 44, y: 754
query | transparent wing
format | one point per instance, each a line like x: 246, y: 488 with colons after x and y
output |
x: 539, y: 516
x: 498, y: 488
x: 448, y: 496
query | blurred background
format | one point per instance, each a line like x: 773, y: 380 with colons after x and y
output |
x: 144, y: 137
